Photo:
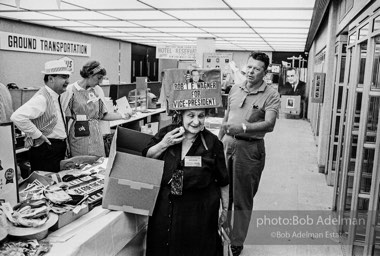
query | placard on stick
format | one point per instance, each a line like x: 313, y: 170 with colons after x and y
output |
x: 183, y: 94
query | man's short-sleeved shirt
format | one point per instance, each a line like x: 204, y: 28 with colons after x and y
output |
x: 250, y: 107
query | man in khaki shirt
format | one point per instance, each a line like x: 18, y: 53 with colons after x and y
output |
x: 251, y: 112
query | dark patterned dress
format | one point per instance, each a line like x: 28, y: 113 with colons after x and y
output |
x: 187, y: 224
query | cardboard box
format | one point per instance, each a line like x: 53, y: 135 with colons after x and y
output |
x: 68, y: 217
x: 132, y: 182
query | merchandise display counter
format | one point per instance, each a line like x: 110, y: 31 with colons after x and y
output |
x: 101, y: 232
x: 138, y: 116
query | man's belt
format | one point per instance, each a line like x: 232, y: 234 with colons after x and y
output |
x: 239, y: 137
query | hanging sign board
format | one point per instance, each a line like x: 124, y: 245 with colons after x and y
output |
x: 179, y: 52
x: 318, y: 88
x: 8, y: 173
x: 217, y: 60
x: 26, y: 43
x: 182, y: 93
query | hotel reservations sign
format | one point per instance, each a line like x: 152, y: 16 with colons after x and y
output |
x: 26, y: 43
x: 179, y: 52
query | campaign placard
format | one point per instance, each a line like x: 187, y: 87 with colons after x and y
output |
x: 183, y: 91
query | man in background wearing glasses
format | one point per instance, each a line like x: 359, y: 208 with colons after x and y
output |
x: 41, y: 119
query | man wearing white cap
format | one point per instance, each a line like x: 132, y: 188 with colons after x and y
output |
x: 42, y: 121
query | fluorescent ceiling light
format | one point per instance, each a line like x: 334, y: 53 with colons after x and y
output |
x: 180, y: 30
x: 203, y: 14
x: 276, y: 14
x: 108, y: 4
x: 31, y: 15
x: 60, y: 23
x: 161, y: 23
x: 40, y: 4
x: 138, y: 15
x: 78, y: 15
x: 271, y: 4
x: 279, y: 24
x: 218, y: 23
x: 110, y: 23
x: 168, y: 4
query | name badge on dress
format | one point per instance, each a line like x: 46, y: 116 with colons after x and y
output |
x: 193, y: 161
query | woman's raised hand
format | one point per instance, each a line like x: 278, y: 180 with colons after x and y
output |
x: 174, y: 137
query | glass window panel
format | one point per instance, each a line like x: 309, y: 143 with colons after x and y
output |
x: 363, y: 32
x: 376, y: 23
x: 352, y: 38
x: 372, y: 119
x: 358, y: 107
x: 340, y: 96
x: 368, y: 159
x: 363, y: 56
x: 342, y: 69
x: 376, y: 65
x: 344, y: 48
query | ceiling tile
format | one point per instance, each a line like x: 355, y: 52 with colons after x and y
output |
x: 279, y: 24
x: 218, y: 23
x: 183, y: 30
x: 204, y: 14
x: 132, y: 30
x: 169, y: 4
x: 40, y: 4
x: 7, y: 8
x: 230, y: 30
x: 26, y: 15
x: 271, y: 3
x: 108, y: 4
x: 78, y: 15
x: 276, y: 14
x: 139, y: 15
x: 282, y: 30
x: 110, y: 23
x: 282, y: 24
x: 161, y: 23
x: 59, y: 23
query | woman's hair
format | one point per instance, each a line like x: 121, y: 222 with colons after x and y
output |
x: 91, y: 68
x: 178, y: 116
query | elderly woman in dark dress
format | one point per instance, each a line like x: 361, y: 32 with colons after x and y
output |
x: 194, y: 182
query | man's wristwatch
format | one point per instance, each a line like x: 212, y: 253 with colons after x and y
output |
x: 244, y: 127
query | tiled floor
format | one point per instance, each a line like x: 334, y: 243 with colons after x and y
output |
x: 291, y: 182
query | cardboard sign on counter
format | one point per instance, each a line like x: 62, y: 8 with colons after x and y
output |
x: 132, y: 182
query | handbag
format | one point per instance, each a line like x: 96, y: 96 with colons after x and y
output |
x: 226, y: 242
x: 81, y: 129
